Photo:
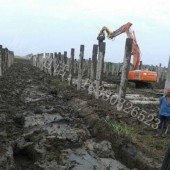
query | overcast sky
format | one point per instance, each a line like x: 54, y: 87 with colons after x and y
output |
x: 34, y: 26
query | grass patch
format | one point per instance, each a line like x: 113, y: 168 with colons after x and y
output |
x: 121, y: 129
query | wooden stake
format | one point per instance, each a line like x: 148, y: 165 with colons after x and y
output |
x: 71, y: 69
x: 80, y: 67
x: 125, y: 70
x: 94, y: 63
x: 102, y: 47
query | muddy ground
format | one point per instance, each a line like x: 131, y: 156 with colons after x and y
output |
x: 46, y: 125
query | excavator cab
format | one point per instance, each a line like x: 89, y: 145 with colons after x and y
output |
x: 142, y: 78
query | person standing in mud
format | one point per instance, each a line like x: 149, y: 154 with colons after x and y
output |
x: 164, y: 112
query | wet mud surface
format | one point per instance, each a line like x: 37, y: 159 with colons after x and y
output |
x: 46, y: 125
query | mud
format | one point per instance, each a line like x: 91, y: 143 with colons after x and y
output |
x: 46, y: 125
x: 41, y: 130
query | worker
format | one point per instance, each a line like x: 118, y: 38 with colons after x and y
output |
x: 164, y: 111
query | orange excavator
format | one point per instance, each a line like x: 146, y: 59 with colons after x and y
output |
x: 140, y: 77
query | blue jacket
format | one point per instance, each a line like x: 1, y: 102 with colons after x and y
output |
x: 164, y: 107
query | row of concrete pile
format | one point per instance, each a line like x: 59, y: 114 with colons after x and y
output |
x: 6, y: 60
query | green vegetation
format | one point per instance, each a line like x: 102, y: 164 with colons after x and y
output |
x: 121, y: 129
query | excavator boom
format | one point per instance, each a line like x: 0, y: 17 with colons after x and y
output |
x: 122, y: 29
x: 130, y: 34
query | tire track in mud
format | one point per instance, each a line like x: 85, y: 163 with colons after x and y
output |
x: 41, y: 130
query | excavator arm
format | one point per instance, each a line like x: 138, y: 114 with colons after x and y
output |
x: 122, y: 29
